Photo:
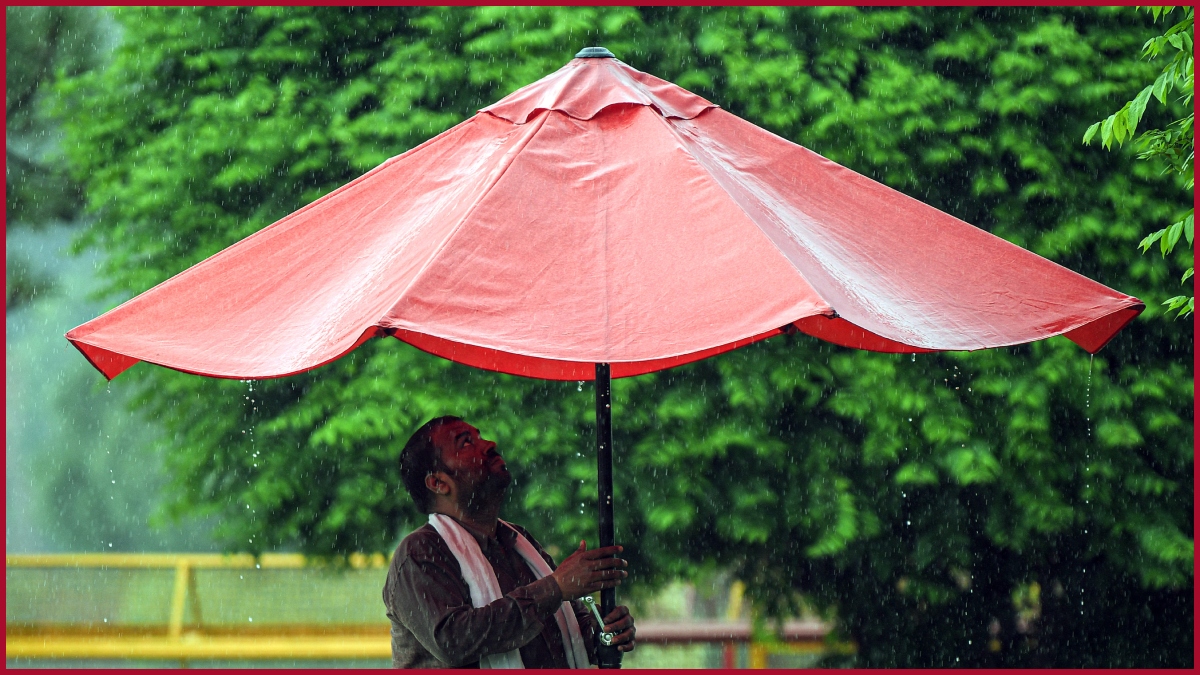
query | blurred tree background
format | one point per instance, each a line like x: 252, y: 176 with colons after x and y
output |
x: 83, y: 472
x: 1029, y: 506
x: 39, y: 41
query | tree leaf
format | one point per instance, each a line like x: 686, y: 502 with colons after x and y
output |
x: 1167, y: 243
x: 1182, y: 305
x: 1137, y: 107
x: 1163, y: 85
x: 1188, y: 227
x: 1106, y: 131
x: 1090, y: 133
x: 1150, y: 239
x: 1120, y: 128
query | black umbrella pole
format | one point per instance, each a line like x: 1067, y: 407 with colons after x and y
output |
x: 608, y: 657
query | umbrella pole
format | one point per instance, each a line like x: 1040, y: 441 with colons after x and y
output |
x: 608, y: 657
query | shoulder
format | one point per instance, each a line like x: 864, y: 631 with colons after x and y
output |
x: 422, y: 544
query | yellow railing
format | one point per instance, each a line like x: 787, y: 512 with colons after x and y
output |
x: 173, y: 642
x: 365, y: 636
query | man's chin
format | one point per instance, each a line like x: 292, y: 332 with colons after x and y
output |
x: 494, y: 486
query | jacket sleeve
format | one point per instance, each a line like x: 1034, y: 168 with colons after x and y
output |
x: 429, y: 602
x: 587, y: 623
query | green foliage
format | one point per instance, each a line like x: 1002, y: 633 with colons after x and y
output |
x: 1176, y: 144
x: 910, y: 497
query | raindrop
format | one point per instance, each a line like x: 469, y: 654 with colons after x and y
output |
x: 580, y: 387
x: 914, y: 359
x: 1088, y: 398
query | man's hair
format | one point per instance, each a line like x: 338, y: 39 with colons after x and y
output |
x: 419, y: 458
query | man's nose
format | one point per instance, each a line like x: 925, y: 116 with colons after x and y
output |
x: 491, y: 445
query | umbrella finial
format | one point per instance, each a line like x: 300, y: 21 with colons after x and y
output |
x: 595, y: 53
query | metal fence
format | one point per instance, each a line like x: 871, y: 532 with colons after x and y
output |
x: 211, y: 608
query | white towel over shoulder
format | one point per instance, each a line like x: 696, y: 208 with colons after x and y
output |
x: 481, y: 580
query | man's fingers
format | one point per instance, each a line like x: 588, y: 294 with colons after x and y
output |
x: 618, y: 620
x: 625, y: 640
x: 626, y: 635
x: 619, y: 626
x: 618, y: 612
x: 606, y: 552
x: 604, y: 575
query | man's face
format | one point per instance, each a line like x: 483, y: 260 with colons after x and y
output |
x: 477, y: 470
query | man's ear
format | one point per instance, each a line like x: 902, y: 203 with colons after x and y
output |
x: 436, y: 483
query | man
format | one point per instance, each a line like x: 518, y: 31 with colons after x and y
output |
x: 437, y: 586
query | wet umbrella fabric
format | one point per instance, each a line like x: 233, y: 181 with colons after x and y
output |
x: 600, y: 215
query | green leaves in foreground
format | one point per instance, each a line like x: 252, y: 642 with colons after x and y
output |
x: 1176, y: 144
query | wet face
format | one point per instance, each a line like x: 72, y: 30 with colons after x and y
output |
x: 474, y: 468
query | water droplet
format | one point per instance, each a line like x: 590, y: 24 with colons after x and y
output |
x: 580, y: 387
x: 1088, y: 397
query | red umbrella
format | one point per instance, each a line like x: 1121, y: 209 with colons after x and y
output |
x: 600, y: 216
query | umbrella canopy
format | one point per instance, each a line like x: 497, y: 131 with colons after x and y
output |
x: 600, y: 215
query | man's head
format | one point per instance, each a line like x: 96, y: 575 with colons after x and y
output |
x: 446, y: 459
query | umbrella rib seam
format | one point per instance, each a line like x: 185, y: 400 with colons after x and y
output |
x: 684, y: 146
x: 512, y: 157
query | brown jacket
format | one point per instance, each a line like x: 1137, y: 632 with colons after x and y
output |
x: 435, y: 626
